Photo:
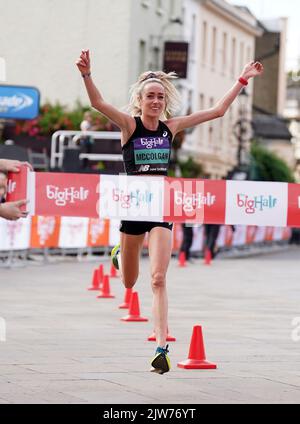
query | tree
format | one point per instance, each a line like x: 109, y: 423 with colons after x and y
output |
x: 190, y: 168
x: 267, y: 166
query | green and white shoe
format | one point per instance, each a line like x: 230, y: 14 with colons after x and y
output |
x: 115, y: 256
x: 161, y: 362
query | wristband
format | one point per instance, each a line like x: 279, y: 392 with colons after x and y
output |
x: 243, y: 81
x: 86, y: 75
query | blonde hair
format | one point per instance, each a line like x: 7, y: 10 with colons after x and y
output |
x: 172, y: 97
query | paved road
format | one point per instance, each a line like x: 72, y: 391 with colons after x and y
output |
x: 65, y: 346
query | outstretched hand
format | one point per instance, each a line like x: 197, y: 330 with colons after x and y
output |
x: 13, y: 210
x: 8, y: 165
x: 84, y: 63
x: 252, y: 69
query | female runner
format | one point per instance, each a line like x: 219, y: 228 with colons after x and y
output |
x: 154, y: 99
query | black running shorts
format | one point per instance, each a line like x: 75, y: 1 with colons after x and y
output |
x: 137, y: 228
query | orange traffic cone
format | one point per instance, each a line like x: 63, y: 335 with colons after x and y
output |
x: 207, y: 257
x: 182, y: 260
x: 101, y: 273
x: 105, y: 289
x: 127, y: 297
x: 197, y: 358
x: 95, y: 282
x: 113, y: 272
x: 134, y: 310
x: 169, y: 338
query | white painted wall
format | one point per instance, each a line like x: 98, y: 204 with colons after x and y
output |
x: 150, y: 24
x: 41, y: 40
x: 2, y: 69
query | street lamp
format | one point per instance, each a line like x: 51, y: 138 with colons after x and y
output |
x: 242, y: 131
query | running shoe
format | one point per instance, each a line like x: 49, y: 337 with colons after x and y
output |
x: 161, y: 362
x: 115, y: 256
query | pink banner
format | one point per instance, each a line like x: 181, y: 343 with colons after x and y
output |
x: 161, y: 199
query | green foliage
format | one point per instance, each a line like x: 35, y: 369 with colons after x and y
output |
x: 292, y: 74
x: 55, y: 117
x: 171, y: 173
x: 267, y: 166
x: 190, y: 168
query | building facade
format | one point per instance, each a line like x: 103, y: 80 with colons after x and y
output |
x: 126, y: 37
x: 270, y: 89
x: 41, y: 40
x: 270, y: 128
x: 292, y: 114
x: 222, y: 41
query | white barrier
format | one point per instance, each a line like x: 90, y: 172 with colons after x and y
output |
x: 2, y: 330
x: 77, y: 233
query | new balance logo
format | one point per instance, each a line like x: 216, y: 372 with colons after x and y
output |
x: 144, y: 168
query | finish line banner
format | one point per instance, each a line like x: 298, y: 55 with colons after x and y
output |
x: 157, y: 199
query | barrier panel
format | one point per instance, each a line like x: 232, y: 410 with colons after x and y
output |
x: 162, y: 199
x: 82, y: 211
x: 41, y: 232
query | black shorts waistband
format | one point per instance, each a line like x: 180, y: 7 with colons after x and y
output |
x: 137, y: 228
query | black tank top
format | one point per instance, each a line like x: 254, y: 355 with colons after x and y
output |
x: 147, y: 151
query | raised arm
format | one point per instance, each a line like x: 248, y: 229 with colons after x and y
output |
x: 122, y: 120
x: 180, y: 123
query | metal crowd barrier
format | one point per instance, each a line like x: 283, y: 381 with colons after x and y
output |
x: 62, y: 140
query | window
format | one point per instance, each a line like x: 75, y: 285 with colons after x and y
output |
x: 224, y: 53
x: 159, y: 7
x: 204, y: 41
x: 156, y: 57
x: 172, y: 8
x: 233, y: 57
x: 201, y: 101
x: 193, y: 41
x: 202, y: 126
x: 214, y: 48
x: 211, y: 124
x: 190, y: 101
x: 249, y: 54
x: 230, y: 125
x: 221, y: 134
x: 242, y: 56
x: 142, y: 56
x: 183, y: 15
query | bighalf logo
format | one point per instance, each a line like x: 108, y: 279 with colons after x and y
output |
x: 193, y: 201
x: 66, y: 195
x: 151, y: 142
x: 257, y: 203
x: 132, y: 198
x: 11, y: 186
